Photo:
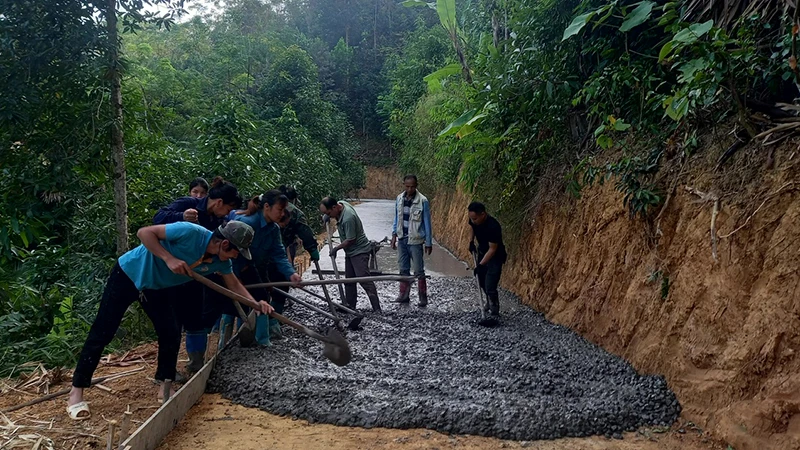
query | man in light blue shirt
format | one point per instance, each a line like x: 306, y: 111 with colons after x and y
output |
x: 167, y: 254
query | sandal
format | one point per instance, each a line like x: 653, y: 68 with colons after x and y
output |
x: 79, y: 411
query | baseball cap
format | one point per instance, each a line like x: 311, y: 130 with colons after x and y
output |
x: 239, y: 234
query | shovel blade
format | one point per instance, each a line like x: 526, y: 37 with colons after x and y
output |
x: 336, y: 349
x: 247, y: 336
x: 354, y: 324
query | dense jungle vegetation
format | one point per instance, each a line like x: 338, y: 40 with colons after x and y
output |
x: 494, y: 94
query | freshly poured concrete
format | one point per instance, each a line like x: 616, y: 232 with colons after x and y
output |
x: 435, y: 368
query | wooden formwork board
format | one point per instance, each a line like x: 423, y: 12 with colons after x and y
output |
x: 159, y: 425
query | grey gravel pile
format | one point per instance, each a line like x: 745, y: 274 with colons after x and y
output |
x: 436, y: 368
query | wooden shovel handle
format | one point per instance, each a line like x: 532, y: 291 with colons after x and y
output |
x: 246, y: 301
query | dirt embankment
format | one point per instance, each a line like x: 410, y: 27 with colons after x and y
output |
x: 725, y: 331
x: 382, y: 182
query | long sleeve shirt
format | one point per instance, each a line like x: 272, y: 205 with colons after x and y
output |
x: 174, y: 213
x: 298, y: 227
x: 266, y: 247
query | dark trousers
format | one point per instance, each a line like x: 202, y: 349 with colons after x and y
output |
x: 489, y: 278
x: 119, y: 294
x: 277, y: 300
x: 199, y: 312
x: 358, y: 266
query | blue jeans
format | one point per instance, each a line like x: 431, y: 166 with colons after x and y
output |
x: 408, y: 255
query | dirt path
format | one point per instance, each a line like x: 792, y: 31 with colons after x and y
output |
x: 216, y: 423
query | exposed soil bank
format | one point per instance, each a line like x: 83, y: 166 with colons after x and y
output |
x: 435, y: 368
x: 727, y: 332
x: 382, y: 183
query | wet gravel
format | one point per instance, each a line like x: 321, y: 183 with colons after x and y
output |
x: 436, y: 368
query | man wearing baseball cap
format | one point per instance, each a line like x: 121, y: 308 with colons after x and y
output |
x: 145, y: 274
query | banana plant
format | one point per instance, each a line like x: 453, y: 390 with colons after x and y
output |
x: 446, y: 10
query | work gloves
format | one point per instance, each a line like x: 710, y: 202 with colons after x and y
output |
x: 314, y: 255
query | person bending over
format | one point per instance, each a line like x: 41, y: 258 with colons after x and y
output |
x: 164, y: 259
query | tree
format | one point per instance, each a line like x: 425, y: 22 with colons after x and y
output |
x: 133, y: 17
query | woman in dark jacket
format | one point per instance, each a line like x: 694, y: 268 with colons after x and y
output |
x: 209, y: 212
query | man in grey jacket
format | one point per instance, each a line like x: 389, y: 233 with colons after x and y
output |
x: 410, y: 230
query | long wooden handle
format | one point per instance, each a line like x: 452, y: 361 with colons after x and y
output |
x: 341, y: 281
x: 246, y: 301
x: 333, y: 260
x: 226, y: 292
x: 324, y: 289
x: 307, y: 305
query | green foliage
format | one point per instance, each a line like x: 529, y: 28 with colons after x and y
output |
x: 556, y: 83
x: 234, y: 96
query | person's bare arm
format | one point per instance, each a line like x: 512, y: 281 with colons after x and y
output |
x: 488, y: 256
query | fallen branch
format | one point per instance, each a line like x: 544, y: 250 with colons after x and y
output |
x: 781, y: 127
x: 747, y: 221
x: 66, y: 390
x: 714, y: 213
x: 709, y: 197
x: 742, y: 138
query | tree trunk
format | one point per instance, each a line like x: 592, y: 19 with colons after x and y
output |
x: 117, y: 144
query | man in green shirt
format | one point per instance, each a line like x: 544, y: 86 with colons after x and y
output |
x: 356, y: 248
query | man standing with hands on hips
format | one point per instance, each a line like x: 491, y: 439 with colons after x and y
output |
x: 410, y: 230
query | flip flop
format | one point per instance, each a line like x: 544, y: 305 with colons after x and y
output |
x: 79, y: 411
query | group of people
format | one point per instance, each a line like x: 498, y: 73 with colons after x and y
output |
x: 207, y: 234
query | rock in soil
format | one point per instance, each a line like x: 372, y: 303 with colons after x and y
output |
x: 435, y: 368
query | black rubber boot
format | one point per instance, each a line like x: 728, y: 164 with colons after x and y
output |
x: 196, y: 361
x: 376, y: 303
x: 494, y: 304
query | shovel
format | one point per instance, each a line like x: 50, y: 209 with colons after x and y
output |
x: 354, y: 324
x: 484, y: 321
x: 333, y: 261
x: 247, y: 334
x: 336, y: 348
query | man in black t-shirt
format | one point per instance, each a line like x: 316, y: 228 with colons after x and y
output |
x: 491, y: 252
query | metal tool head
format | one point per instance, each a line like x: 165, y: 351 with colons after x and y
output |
x: 354, y: 324
x: 247, y: 333
x: 336, y: 349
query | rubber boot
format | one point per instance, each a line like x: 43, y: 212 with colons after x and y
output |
x: 404, y: 296
x: 422, y: 287
x: 262, y: 330
x: 196, y: 361
x: 275, y: 331
x: 494, y: 304
x: 196, y: 349
x: 376, y: 303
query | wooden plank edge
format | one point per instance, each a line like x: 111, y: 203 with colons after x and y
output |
x: 160, y: 424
